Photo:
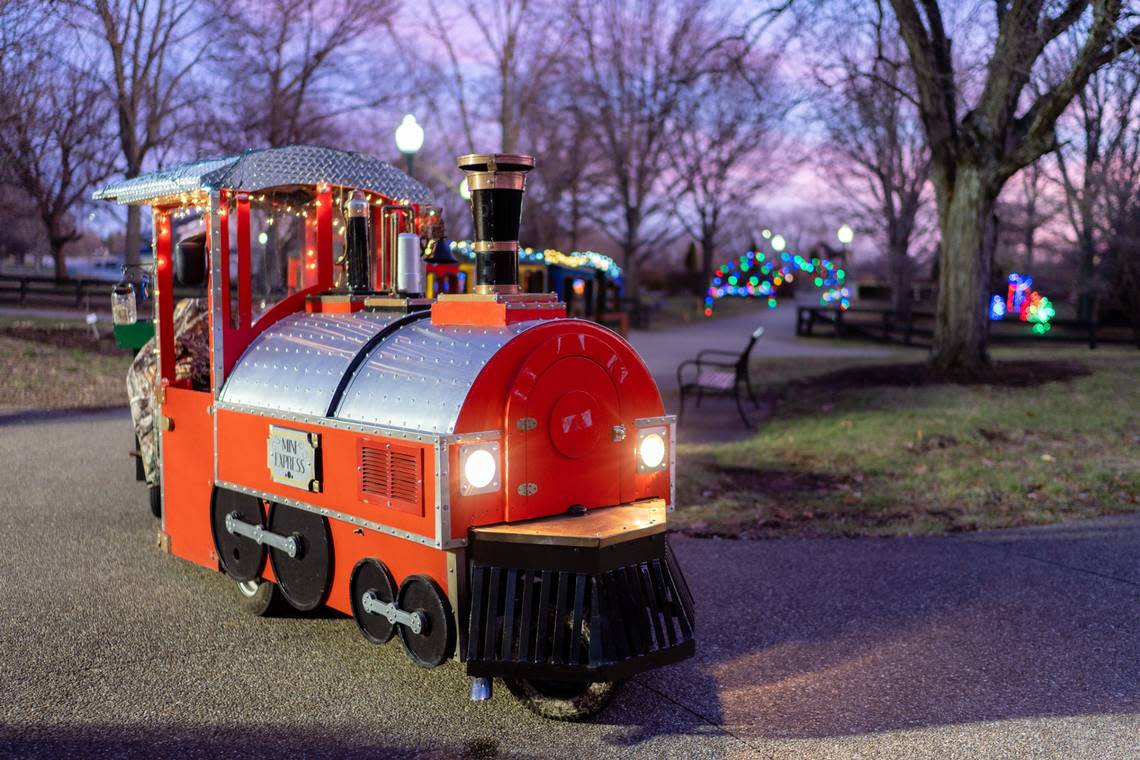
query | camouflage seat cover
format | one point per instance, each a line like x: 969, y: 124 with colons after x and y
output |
x: 191, y: 362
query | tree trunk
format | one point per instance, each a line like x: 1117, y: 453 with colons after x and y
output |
x: 59, y: 258
x: 961, y: 324
x: 900, y: 278
x: 1085, y: 294
x: 133, y: 236
x: 1030, y: 242
x: 708, y: 256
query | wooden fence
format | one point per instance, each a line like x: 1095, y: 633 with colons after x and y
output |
x: 917, y: 328
x: 85, y: 294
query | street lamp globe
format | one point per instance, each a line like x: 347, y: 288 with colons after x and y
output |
x: 409, y: 135
x: 845, y: 234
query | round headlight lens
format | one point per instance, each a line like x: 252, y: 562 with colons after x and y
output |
x: 652, y: 450
x: 479, y: 468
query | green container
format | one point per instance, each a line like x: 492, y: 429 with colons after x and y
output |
x: 134, y: 336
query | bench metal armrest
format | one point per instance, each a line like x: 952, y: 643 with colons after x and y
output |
x: 735, y: 355
x: 681, y: 371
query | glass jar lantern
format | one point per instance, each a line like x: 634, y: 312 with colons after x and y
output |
x: 124, y: 309
x: 127, y: 295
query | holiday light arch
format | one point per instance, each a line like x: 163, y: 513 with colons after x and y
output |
x: 755, y: 275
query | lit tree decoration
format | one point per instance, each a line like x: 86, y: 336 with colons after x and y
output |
x: 1025, y: 302
x: 754, y: 275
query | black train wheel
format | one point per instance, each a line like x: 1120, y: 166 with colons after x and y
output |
x: 241, y: 558
x: 261, y: 598
x: 304, y: 579
x: 372, y: 575
x: 436, y: 640
x: 563, y: 700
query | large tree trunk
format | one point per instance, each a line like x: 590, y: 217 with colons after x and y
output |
x: 967, y: 235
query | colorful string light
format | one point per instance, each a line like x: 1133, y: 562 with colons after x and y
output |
x: 1021, y: 299
x: 754, y: 275
x: 551, y: 256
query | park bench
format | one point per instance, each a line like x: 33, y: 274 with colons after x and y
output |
x: 716, y: 372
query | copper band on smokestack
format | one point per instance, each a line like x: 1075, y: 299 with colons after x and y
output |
x: 497, y: 182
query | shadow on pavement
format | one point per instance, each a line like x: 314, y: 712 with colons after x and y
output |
x: 826, y: 638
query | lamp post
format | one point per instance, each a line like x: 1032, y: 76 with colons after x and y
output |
x: 409, y: 139
x: 845, y: 234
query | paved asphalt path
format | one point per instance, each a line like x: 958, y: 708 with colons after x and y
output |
x: 663, y: 349
x: 718, y: 419
x: 1010, y: 644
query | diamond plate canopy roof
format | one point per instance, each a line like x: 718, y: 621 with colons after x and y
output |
x: 265, y: 168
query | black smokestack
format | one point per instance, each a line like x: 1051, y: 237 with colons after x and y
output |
x: 356, y: 244
x: 497, y: 182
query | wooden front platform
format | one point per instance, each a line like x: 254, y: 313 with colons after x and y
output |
x: 595, y: 529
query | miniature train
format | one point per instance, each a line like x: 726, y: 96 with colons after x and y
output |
x: 475, y: 473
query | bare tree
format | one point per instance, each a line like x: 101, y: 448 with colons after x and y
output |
x: 292, y: 68
x: 521, y: 44
x: 53, y: 139
x: 560, y: 186
x: 726, y: 148
x: 974, y: 153
x: 147, y: 51
x: 1100, y: 169
x: 1038, y: 207
x: 874, y: 130
x: 639, y: 58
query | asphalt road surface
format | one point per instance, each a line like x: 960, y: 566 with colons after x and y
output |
x: 1018, y: 643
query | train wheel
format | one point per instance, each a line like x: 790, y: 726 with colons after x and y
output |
x: 304, y: 579
x: 242, y: 558
x: 436, y: 640
x: 563, y: 700
x: 372, y: 575
x: 261, y: 598
x: 155, y: 493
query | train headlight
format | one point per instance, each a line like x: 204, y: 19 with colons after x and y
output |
x: 479, y: 468
x: 651, y: 449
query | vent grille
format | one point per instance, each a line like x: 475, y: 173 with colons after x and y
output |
x: 392, y: 476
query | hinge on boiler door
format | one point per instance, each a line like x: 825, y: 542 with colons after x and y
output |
x: 527, y: 489
x: 527, y: 423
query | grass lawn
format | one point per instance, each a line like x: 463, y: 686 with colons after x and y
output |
x: 858, y: 451
x: 48, y: 364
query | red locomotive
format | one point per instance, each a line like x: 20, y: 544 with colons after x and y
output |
x: 475, y: 472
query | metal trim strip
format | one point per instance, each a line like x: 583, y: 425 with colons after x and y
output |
x: 665, y: 419
x: 311, y: 419
x: 672, y: 465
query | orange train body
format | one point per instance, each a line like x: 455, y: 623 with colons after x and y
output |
x: 403, y: 437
